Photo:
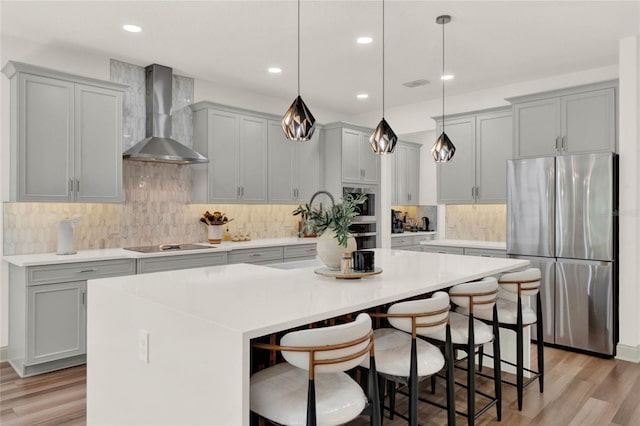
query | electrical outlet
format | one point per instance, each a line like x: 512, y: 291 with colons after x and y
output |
x: 143, y: 345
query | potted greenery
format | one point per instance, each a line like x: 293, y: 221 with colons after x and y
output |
x: 331, y: 225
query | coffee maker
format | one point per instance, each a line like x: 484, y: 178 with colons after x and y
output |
x: 397, y: 225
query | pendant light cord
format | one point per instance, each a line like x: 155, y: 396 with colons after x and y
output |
x: 298, y: 47
x: 442, y: 76
x: 383, y: 59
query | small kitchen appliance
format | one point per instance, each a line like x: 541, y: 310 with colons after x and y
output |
x: 397, y: 226
x: 65, y: 236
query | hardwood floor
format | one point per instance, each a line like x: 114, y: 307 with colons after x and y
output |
x: 579, y: 390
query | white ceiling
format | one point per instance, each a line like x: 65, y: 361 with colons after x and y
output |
x: 488, y: 43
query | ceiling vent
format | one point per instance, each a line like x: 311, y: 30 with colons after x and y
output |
x: 416, y: 83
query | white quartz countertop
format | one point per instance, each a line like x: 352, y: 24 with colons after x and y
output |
x: 491, y: 245
x: 119, y: 253
x: 299, y: 296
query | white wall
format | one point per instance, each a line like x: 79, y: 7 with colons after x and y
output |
x: 629, y: 113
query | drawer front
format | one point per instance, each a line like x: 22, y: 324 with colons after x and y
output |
x: 304, y: 250
x: 401, y: 241
x: 80, y: 271
x: 187, y: 261
x: 256, y: 255
x: 442, y: 249
x: 420, y: 238
x: 485, y: 252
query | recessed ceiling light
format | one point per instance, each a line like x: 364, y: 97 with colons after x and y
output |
x: 362, y: 95
x: 364, y: 40
x: 274, y: 70
x: 132, y: 28
x: 447, y: 77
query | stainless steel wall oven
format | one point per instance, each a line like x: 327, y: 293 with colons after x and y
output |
x: 363, y: 227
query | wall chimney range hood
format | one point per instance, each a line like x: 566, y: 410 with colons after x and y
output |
x: 158, y: 145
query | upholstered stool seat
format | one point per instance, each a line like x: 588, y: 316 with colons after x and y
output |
x: 402, y: 357
x: 507, y: 313
x: 311, y: 387
x: 460, y: 330
x: 393, y: 351
x: 279, y: 393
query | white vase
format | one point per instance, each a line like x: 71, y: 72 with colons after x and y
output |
x: 330, y: 251
x: 214, y: 234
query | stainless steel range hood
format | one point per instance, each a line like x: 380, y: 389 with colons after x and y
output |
x: 158, y: 145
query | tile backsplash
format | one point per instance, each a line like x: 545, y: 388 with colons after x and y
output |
x: 157, y: 210
x: 484, y: 222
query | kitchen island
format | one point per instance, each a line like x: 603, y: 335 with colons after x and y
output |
x: 174, y: 347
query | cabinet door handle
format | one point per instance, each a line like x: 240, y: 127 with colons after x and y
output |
x: 84, y: 271
x: 77, y: 186
x: 563, y: 145
x: 242, y: 191
x: 477, y: 192
x: 557, y: 143
x: 84, y: 300
x: 238, y: 191
x: 70, y: 185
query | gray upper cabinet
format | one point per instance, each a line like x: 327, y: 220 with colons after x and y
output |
x: 405, y: 169
x: 494, y: 145
x: 456, y: 178
x: 348, y: 157
x: 570, y: 121
x: 478, y: 171
x: 66, y: 136
x: 236, y: 146
x: 294, y: 167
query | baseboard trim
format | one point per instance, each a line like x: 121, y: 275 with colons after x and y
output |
x: 4, y: 353
x: 628, y: 353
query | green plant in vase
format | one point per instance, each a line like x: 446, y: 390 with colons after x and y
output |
x: 337, y: 218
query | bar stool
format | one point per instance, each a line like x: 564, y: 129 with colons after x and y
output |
x: 514, y: 316
x: 401, y: 357
x: 467, y: 334
x: 311, y: 387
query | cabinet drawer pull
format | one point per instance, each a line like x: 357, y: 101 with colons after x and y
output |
x: 84, y: 271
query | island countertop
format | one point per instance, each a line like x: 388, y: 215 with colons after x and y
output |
x: 201, y: 322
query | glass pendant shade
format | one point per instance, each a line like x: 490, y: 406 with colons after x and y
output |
x: 443, y: 149
x: 298, y: 122
x: 384, y: 139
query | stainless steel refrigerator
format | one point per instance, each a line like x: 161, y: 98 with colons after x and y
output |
x: 562, y: 216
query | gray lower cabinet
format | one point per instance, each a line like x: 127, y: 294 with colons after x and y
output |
x: 405, y: 174
x: 442, y: 249
x: 258, y: 256
x: 570, y: 121
x: 183, y: 261
x: 66, y: 136
x: 478, y: 171
x: 300, y: 252
x: 294, y: 167
x: 485, y: 252
x: 409, y: 242
x: 236, y: 146
x: 47, y: 313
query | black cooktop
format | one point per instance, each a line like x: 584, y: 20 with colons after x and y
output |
x: 166, y: 247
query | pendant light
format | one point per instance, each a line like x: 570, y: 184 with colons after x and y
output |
x: 298, y: 123
x: 383, y: 140
x: 443, y: 149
